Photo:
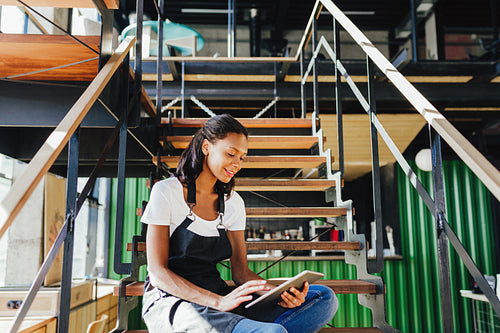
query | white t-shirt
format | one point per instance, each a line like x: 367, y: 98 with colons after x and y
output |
x: 166, y: 206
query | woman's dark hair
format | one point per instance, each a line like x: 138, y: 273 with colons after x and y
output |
x: 192, y: 158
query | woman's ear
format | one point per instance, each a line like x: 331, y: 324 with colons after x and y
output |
x: 204, y: 146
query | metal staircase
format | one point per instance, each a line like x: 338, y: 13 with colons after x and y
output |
x: 299, y: 149
x: 302, y: 152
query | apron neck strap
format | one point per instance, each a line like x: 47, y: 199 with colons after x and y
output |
x: 191, y: 199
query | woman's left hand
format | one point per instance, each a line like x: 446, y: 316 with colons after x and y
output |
x: 294, y: 297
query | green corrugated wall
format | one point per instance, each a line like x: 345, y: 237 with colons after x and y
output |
x: 415, y: 278
x: 412, y: 283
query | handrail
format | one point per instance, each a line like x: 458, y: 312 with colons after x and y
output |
x: 481, y: 167
x: 22, y: 189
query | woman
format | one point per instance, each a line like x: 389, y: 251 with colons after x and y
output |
x: 196, y: 220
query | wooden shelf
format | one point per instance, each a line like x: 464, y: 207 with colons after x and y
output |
x: 258, y: 142
x: 29, y: 53
x: 110, y: 4
x: 265, y: 162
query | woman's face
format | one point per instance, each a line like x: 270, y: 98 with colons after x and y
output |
x: 224, y: 157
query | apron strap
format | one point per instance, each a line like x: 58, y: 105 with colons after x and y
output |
x: 191, y: 201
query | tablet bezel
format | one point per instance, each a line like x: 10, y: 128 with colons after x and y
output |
x: 296, y: 282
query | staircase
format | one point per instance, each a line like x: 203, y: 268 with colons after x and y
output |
x: 279, y: 164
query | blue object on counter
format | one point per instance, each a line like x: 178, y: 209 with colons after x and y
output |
x: 171, y: 31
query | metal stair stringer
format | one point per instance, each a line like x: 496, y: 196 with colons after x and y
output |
x: 358, y: 258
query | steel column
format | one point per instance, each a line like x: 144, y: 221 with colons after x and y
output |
x: 314, y: 43
x: 106, y: 36
x: 303, y: 101
x: 275, y: 90
x: 71, y: 195
x: 231, y: 29
x: 378, y: 265
x: 413, y: 11
x: 338, y: 96
x: 138, y: 55
x: 159, y: 64
x: 442, y: 241
x: 119, y: 266
x: 183, y: 87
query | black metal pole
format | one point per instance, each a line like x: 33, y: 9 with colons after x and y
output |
x: 159, y: 65
x: 378, y: 265
x: 338, y: 96
x: 183, y: 88
x: 71, y: 195
x: 275, y: 90
x: 303, y: 101
x: 314, y: 43
x: 413, y: 11
x: 255, y: 32
x: 138, y: 57
x: 442, y: 238
x: 119, y: 266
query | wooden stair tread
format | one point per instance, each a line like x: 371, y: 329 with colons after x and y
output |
x: 259, y: 184
x: 28, y: 53
x: 295, y: 211
x: 339, y: 286
x: 248, y: 184
x: 259, y: 142
x: 265, y: 162
x: 247, y: 122
x: 110, y: 4
x: 302, y: 245
x: 284, y: 245
x: 323, y: 330
x: 252, y: 212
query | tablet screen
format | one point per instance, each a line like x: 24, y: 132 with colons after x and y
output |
x: 296, y: 282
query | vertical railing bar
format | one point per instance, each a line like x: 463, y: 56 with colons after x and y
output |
x: 303, y: 102
x: 183, y: 88
x: 119, y: 266
x: 138, y: 53
x: 442, y: 238
x: 314, y: 42
x: 338, y: 96
x: 71, y: 196
x: 275, y: 91
x: 159, y: 66
x: 413, y: 11
x: 378, y: 265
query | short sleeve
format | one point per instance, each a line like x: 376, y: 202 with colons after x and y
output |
x: 235, y: 216
x: 158, y: 209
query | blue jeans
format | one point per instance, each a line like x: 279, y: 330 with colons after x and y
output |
x: 318, y: 309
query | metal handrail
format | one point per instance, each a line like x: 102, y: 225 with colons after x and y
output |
x: 438, y: 127
x: 481, y: 167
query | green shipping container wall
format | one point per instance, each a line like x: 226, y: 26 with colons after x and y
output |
x: 413, y: 303
x: 412, y: 284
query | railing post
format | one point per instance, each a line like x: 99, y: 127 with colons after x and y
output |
x: 338, y: 96
x: 119, y: 266
x: 183, y: 88
x: 275, y: 90
x: 159, y: 65
x: 303, y: 101
x: 314, y: 43
x: 71, y: 194
x: 413, y: 11
x: 378, y: 265
x: 442, y: 238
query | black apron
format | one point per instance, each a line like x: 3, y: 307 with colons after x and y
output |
x: 194, y: 257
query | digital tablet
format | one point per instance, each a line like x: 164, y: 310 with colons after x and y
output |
x: 297, y: 282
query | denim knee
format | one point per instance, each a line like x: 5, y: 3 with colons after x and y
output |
x: 329, y: 300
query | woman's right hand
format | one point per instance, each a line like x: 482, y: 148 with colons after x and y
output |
x: 241, y: 294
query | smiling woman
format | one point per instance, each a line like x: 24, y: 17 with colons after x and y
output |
x: 195, y: 221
